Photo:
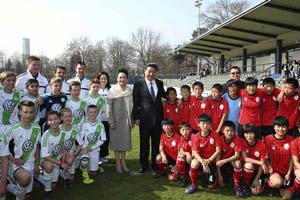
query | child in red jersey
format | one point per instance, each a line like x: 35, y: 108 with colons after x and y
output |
x: 185, y: 151
x: 281, y: 164
x: 185, y: 108
x: 218, y: 107
x: 255, y: 155
x: 168, y: 148
x: 205, y: 149
x: 289, y: 105
x: 295, y: 151
x: 251, y: 99
x: 198, y: 105
x: 171, y: 108
x: 230, y: 156
x: 269, y: 105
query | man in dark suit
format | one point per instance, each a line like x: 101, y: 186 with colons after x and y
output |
x: 148, y: 114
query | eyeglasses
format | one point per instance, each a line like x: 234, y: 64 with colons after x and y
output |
x: 235, y: 73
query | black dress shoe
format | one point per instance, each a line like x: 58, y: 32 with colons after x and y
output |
x: 142, y: 170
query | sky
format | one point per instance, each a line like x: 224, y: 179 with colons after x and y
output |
x: 52, y: 24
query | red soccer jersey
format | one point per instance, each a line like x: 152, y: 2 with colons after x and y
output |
x: 186, y: 145
x: 170, y: 144
x: 198, y: 107
x: 228, y: 149
x: 250, y: 105
x: 258, y: 151
x: 279, y: 152
x: 289, y: 108
x: 216, y: 110
x: 171, y: 111
x: 295, y: 147
x: 185, y: 111
x: 206, y: 146
x: 269, y: 108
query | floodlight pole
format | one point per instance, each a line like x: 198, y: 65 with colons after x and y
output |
x: 198, y: 4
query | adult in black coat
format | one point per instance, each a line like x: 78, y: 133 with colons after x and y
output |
x: 148, y: 114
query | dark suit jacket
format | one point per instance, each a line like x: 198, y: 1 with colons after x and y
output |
x: 145, y: 109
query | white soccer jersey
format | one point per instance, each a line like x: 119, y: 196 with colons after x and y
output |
x: 78, y: 108
x: 98, y: 101
x: 25, y: 141
x: 23, y: 78
x: 36, y: 106
x: 104, y: 92
x: 8, y: 109
x: 94, y: 135
x: 71, y: 136
x: 51, y: 145
x: 85, y: 85
x: 3, y: 146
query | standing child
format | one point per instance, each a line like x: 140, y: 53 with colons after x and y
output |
x: 205, y: 150
x: 198, y: 105
x: 72, y: 144
x: 184, y: 157
x: 94, y: 136
x: 218, y: 107
x: 295, y: 151
x: 281, y: 164
x: 230, y: 156
x: 171, y: 108
x: 9, y: 99
x: 255, y: 155
x: 24, y: 138
x: 4, y: 152
x: 185, y: 108
x: 51, y: 153
x: 168, y: 149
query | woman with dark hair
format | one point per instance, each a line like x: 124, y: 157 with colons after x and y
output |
x: 119, y: 107
x: 104, y: 88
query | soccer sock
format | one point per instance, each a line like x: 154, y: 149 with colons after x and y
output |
x: 237, y: 174
x: 181, y: 166
x: 247, y: 174
x: 20, y: 192
x: 297, y: 185
x: 47, y: 181
x: 194, y: 173
x: 161, y: 167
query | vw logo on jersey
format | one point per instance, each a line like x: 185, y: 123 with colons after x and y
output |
x: 8, y: 105
x: 77, y: 114
x: 68, y: 144
x: 56, y: 150
x: 27, y: 145
x: 56, y: 107
x: 91, y: 137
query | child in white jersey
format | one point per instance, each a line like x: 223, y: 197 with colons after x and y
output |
x: 24, y: 138
x: 94, y: 136
x: 3, y: 165
x: 51, y: 153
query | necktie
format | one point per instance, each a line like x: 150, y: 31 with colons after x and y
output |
x: 152, y: 91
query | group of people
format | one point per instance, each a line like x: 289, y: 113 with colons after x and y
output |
x: 48, y: 131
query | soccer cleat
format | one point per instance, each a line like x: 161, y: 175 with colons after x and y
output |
x: 191, y: 189
x: 182, y: 182
x: 101, y: 170
x: 246, y: 191
x: 67, y: 184
x: 86, y: 178
x: 239, y: 192
x: 46, y: 195
x: 212, y: 185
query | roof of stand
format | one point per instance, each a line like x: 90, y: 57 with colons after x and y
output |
x: 255, y: 29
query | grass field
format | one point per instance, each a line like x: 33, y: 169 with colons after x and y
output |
x: 111, y: 185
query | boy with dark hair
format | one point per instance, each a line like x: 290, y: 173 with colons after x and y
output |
x: 269, y: 106
x: 205, y: 149
x: 281, y: 164
x: 289, y: 105
x: 185, y: 108
x: 185, y: 151
x: 168, y: 149
x: 255, y: 155
x: 198, y: 105
x: 218, y: 107
x: 230, y: 156
x: 171, y: 109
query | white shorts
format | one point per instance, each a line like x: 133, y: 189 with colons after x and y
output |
x: 93, y: 157
x: 11, y: 173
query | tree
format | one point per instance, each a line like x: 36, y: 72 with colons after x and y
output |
x: 221, y: 11
x: 98, y: 54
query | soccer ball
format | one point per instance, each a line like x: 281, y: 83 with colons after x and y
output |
x: 173, y: 176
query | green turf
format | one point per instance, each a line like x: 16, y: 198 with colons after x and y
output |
x: 111, y: 185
